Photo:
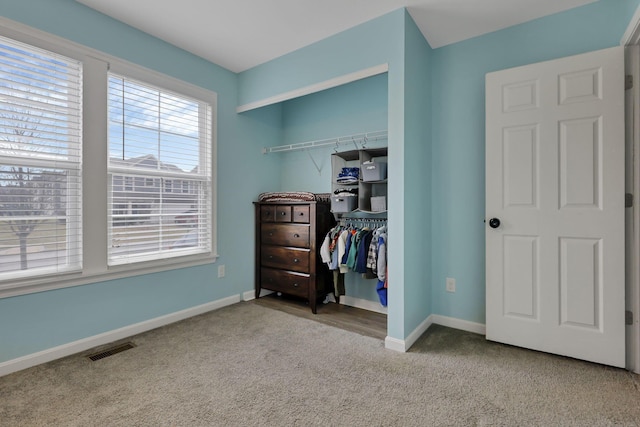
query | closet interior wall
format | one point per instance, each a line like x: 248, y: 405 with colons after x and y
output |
x: 353, y: 108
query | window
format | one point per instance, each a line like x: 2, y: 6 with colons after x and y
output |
x: 40, y: 162
x: 165, y: 139
x: 56, y: 192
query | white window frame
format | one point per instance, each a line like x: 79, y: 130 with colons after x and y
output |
x: 55, y: 162
x: 95, y: 185
x: 170, y: 183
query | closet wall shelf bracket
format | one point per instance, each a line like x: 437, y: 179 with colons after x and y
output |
x: 360, y: 138
x: 318, y: 168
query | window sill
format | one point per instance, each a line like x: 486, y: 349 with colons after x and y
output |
x: 48, y: 283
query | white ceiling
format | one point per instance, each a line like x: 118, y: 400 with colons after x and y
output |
x: 240, y: 34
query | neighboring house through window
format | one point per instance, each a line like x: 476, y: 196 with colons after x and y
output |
x: 156, y: 135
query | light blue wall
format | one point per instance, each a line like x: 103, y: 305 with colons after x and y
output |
x: 373, y: 43
x: 417, y: 175
x: 351, y: 108
x: 458, y: 135
x: 35, y: 322
x: 357, y: 107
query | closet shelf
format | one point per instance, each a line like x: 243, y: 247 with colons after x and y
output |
x: 360, y: 138
x: 382, y: 181
x: 372, y: 195
x: 370, y: 212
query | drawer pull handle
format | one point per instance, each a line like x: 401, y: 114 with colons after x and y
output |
x: 296, y: 260
x: 270, y: 234
x: 301, y: 213
x: 296, y: 235
x: 270, y: 256
x: 283, y: 213
x: 295, y: 285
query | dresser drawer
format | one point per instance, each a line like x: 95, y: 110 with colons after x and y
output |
x: 286, y: 258
x: 283, y: 213
x: 267, y: 213
x: 301, y: 213
x: 285, y: 235
x: 285, y: 282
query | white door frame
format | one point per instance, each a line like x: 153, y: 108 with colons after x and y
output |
x: 631, y: 37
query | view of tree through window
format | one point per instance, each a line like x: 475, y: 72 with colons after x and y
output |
x: 40, y: 161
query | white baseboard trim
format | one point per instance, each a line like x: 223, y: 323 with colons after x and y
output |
x: 363, y: 304
x: 464, y: 325
x: 84, y: 344
x: 404, y: 345
x: 434, y: 319
x: 394, y: 344
x: 248, y: 296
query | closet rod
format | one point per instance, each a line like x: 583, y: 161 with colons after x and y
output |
x: 344, y: 220
x: 361, y: 218
x: 359, y: 138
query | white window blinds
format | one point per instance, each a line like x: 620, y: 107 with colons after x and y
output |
x: 40, y: 162
x: 159, y: 172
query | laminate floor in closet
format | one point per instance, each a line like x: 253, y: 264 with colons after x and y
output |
x: 363, y: 322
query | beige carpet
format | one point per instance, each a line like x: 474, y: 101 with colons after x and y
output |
x: 246, y: 365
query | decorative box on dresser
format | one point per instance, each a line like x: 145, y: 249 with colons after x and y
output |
x: 288, y: 239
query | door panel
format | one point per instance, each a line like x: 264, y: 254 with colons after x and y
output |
x: 520, y: 166
x: 555, y: 179
x: 580, y: 282
x: 521, y: 277
x: 581, y: 163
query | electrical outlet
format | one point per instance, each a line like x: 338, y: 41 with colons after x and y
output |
x: 451, y: 284
x: 221, y: 270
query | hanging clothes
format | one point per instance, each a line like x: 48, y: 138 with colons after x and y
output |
x: 361, y: 260
x: 381, y: 288
x: 348, y: 248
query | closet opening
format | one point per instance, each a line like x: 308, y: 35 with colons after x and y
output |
x: 332, y: 143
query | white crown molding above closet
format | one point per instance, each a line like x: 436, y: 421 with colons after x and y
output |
x: 316, y: 87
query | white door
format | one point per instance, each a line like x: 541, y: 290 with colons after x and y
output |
x: 555, y: 181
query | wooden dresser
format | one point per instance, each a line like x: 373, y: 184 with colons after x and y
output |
x: 288, y: 240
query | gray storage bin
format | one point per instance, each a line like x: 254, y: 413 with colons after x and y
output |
x: 346, y: 203
x: 378, y: 203
x: 375, y: 171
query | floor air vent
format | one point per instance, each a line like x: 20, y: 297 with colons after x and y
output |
x: 111, y: 351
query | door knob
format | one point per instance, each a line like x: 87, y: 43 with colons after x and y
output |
x: 494, y: 223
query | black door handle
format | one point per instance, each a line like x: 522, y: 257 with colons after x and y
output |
x: 494, y: 223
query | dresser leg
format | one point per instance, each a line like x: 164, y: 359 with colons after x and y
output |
x: 312, y: 303
x: 257, y: 293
